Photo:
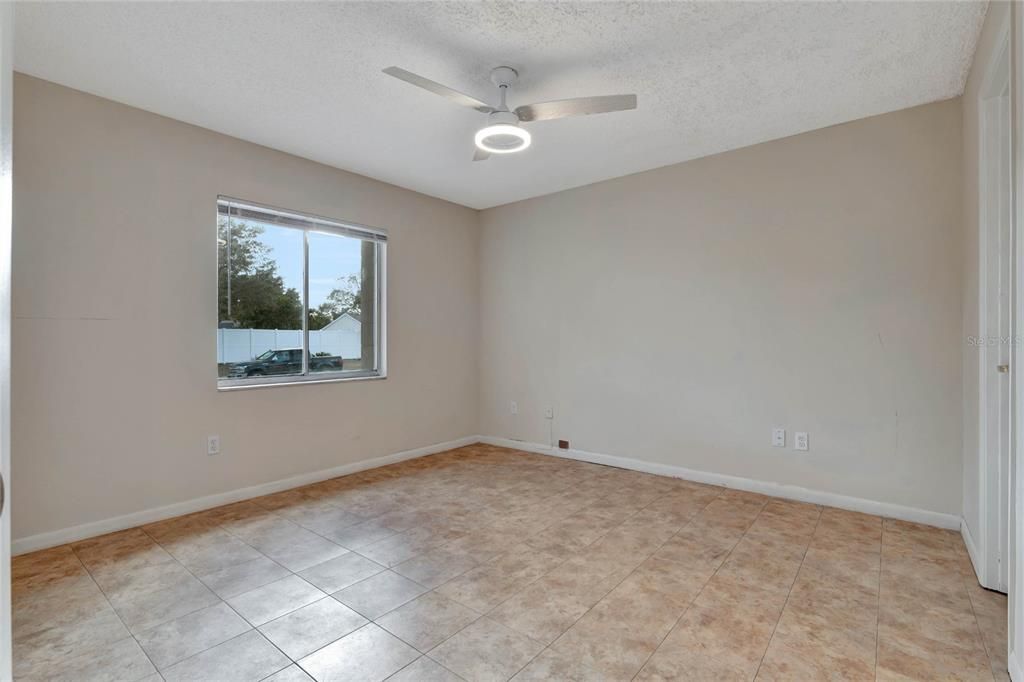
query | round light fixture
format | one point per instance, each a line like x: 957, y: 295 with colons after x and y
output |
x: 502, y: 138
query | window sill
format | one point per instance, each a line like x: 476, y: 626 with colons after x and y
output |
x: 247, y: 384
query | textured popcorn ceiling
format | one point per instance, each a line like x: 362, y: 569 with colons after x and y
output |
x: 305, y: 77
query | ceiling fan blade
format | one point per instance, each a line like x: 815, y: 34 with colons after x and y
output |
x: 579, y: 106
x: 481, y: 155
x: 438, y: 89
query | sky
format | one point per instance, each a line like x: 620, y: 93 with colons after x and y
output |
x: 331, y: 259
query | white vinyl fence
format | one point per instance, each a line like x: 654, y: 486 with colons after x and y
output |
x: 240, y: 345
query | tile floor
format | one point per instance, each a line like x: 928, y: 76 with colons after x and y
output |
x: 489, y: 564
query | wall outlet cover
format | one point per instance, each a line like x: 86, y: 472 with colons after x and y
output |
x: 213, y: 445
x: 800, y: 441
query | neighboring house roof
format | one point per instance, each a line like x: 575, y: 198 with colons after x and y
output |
x: 344, y: 320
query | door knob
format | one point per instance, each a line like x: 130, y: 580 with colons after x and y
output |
x: 1003, y: 369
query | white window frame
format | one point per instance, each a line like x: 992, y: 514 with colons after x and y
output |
x: 307, y: 223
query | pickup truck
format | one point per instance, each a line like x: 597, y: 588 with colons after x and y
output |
x: 282, y: 361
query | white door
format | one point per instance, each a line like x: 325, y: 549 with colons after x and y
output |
x: 1004, y: 318
x: 6, y: 102
x: 997, y: 283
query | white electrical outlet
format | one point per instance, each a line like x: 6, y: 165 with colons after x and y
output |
x: 213, y: 445
x: 800, y: 440
x: 778, y: 438
x: 513, y: 407
x: 549, y: 413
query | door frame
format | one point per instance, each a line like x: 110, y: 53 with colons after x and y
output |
x: 1015, y: 602
x: 6, y: 218
x: 993, y: 474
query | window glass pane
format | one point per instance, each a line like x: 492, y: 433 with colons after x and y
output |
x: 259, y: 299
x: 342, y: 300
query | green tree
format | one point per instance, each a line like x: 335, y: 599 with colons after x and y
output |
x: 259, y: 298
x: 343, y: 299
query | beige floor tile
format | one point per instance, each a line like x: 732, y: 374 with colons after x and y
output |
x: 423, y: 669
x: 46, y: 563
x: 929, y: 587
x: 729, y: 623
x: 191, y: 634
x: 300, y: 549
x: 783, y: 663
x: 127, y: 549
x: 435, y: 567
x: 367, y: 654
x: 985, y: 601
x: 898, y: 660
x: 63, y: 602
x: 486, y: 650
x: 573, y: 533
x: 292, y: 673
x: 624, y: 574
x: 189, y: 527
x: 618, y: 635
x: 669, y: 663
x: 121, y: 660
x: 379, y: 594
x: 427, y: 620
x: 677, y: 584
x: 323, y: 519
x: 311, y: 627
x: 994, y: 634
x: 850, y: 524
x: 360, y: 534
x: 402, y: 546
x: 126, y: 584
x: 46, y: 572
x: 696, y: 550
x: 486, y: 586
x: 550, y: 665
x: 147, y: 610
x: 275, y: 599
x: 760, y: 572
x: 925, y: 622
x: 340, y: 572
x: 862, y: 569
x: 212, y: 552
x: 483, y: 545
x: 830, y: 602
x: 234, y: 580
x: 542, y: 611
x: 48, y: 646
x: 803, y: 648
x: 246, y: 657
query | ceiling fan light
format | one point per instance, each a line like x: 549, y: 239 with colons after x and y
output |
x: 502, y: 138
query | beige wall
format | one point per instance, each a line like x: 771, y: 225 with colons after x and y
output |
x: 987, y: 45
x: 677, y: 315
x: 673, y: 316
x: 114, y: 378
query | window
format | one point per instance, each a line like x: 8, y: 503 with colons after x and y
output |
x: 299, y: 297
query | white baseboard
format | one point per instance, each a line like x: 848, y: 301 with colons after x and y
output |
x: 32, y: 543
x: 972, y: 550
x: 791, y: 492
x: 1014, y: 668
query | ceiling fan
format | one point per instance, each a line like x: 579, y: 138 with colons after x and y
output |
x: 503, y: 133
